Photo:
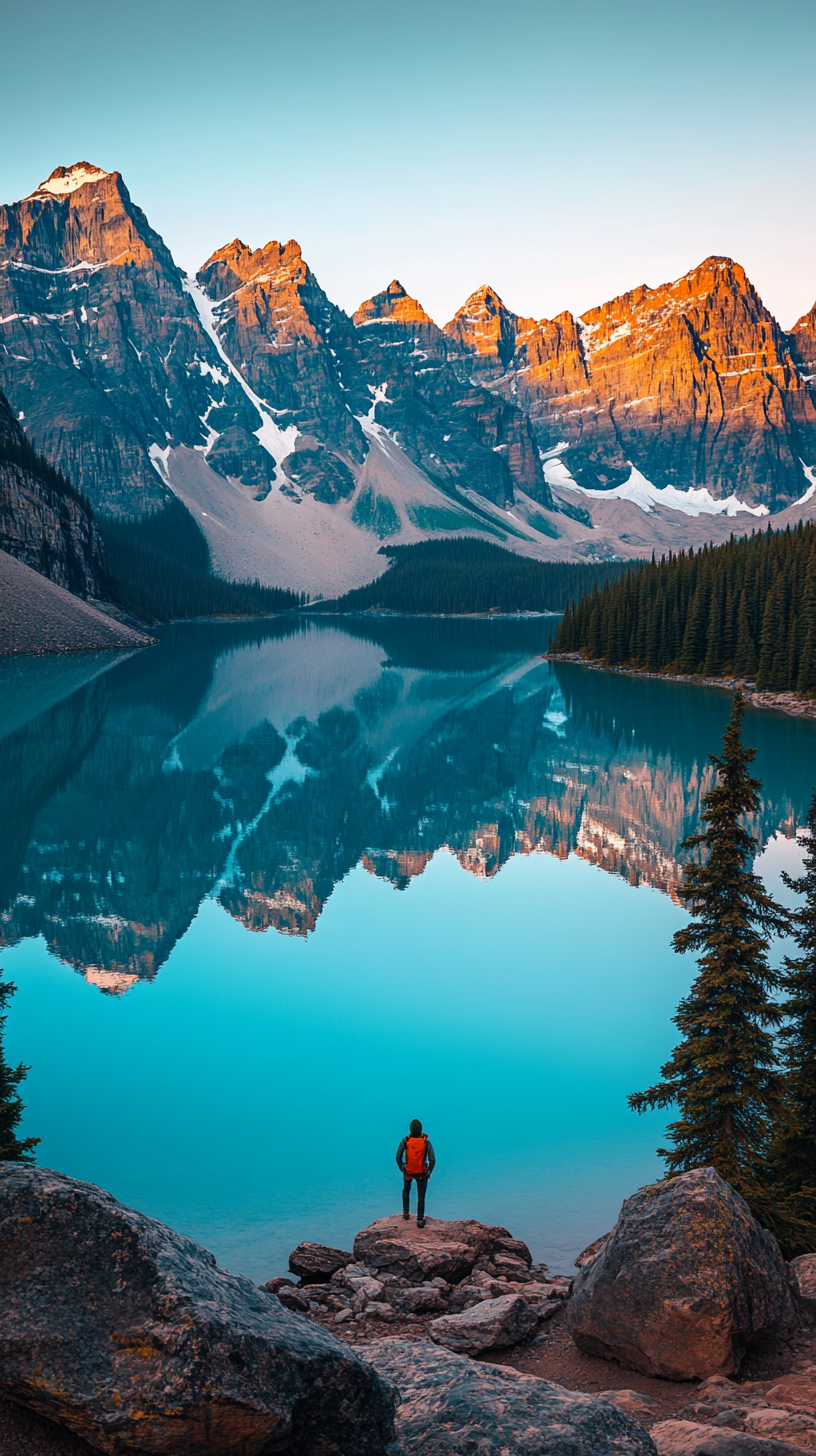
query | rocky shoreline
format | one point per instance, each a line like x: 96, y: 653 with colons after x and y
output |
x: 791, y: 703
x: 684, y: 1334
x: 406, y: 1281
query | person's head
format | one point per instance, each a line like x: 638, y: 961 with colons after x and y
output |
x: 416, y: 1128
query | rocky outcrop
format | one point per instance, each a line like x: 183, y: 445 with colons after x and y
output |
x: 516, y: 1295
x: 133, y: 1338
x: 685, y: 1284
x: 492, y: 1324
x: 315, y: 1262
x: 690, y: 1438
x: 804, y: 1272
x: 103, y: 352
x: 486, y: 329
x: 591, y: 1251
x: 452, y: 1406
x: 802, y: 341
x: 416, y: 384
x: 448, y: 1248
x: 43, y: 521
x: 320, y: 472
x: 334, y: 378
x: 770, y: 1411
x: 280, y: 329
x: 692, y: 382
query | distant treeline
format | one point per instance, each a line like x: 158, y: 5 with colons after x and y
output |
x: 459, y: 576
x: 159, y: 569
x: 746, y: 609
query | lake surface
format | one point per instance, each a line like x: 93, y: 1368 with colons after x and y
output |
x: 269, y: 891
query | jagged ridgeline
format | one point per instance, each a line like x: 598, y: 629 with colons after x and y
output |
x: 454, y: 577
x: 745, y: 610
x: 160, y: 570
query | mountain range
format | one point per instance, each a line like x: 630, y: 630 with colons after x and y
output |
x: 301, y: 438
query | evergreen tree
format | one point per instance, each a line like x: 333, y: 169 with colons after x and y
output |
x: 794, y: 1151
x: 745, y: 660
x: 12, y: 1149
x: 723, y: 1076
x: 806, y: 680
x: 746, y: 609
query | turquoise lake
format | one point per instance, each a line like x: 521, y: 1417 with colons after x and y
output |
x: 269, y: 891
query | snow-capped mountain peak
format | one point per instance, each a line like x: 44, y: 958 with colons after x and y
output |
x: 64, y: 180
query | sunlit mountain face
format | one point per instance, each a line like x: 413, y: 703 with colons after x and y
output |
x: 258, y: 764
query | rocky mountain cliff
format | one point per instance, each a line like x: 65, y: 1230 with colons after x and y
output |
x: 103, y: 354
x: 300, y: 437
x: 692, y: 382
x: 43, y: 521
x: 802, y: 341
x: 420, y: 390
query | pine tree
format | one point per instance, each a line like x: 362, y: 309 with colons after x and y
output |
x: 694, y: 637
x: 806, y: 681
x: 12, y: 1150
x: 723, y: 1076
x: 745, y: 659
x: 794, y: 1151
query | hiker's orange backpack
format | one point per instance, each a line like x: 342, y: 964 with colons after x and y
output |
x: 415, y: 1161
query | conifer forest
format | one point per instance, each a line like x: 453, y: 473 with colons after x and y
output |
x: 745, y: 610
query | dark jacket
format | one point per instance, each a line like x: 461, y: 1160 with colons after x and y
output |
x: 429, y: 1154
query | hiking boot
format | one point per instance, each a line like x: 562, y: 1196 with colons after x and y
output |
x: 420, y: 1223
x: 406, y: 1216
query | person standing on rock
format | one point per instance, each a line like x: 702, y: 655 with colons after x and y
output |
x: 415, y: 1159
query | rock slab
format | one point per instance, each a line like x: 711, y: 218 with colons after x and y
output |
x: 452, y: 1406
x: 493, y: 1324
x: 448, y: 1248
x: 804, y: 1269
x: 129, y: 1334
x: 685, y: 1284
x: 315, y: 1262
x: 591, y: 1251
x: 687, y: 1438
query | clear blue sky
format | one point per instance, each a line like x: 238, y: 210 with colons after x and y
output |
x: 562, y: 152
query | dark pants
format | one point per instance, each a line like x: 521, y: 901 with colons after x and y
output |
x: 421, y: 1180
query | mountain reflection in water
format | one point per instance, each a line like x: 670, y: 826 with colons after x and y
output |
x: 258, y: 763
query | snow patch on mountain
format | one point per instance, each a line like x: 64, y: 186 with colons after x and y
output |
x: 811, y: 490
x: 277, y: 442
x: 642, y: 493
x: 159, y: 459
x: 64, y: 180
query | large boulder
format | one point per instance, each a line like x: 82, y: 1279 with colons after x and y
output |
x: 688, y: 1438
x: 490, y: 1325
x: 804, y: 1271
x: 132, y: 1337
x: 453, y: 1406
x: 314, y: 1263
x: 591, y: 1251
x: 684, y: 1284
x: 448, y: 1248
